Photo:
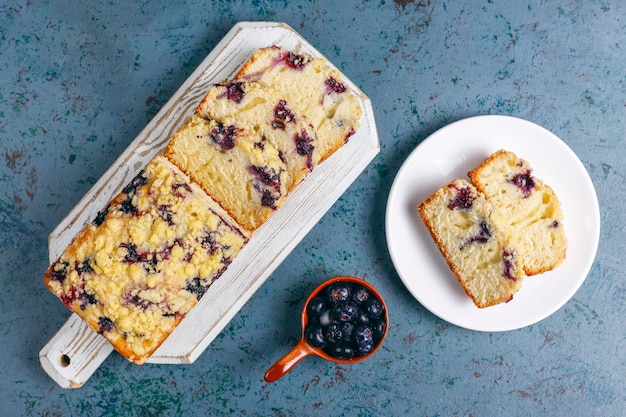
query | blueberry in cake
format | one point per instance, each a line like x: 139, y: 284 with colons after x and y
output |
x: 525, y: 207
x: 146, y: 259
x: 459, y: 219
x: 233, y: 165
x: 267, y: 112
x: 311, y: 87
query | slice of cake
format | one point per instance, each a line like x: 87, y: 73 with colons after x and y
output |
x: 526, y: 208
x: 458, y: 218
x: 238, y: 169
x: 266, y: 111
x: 145, y: 260
x: 312, y: 87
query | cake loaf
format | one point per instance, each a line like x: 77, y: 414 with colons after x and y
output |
x: 524, y: 207
x: 272, y: 116
x: 233, y: 165
x: 313, y: 88
x: 145, y: 260
x: 459, y: 219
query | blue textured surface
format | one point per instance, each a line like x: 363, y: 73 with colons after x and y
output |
x: 79, y: 80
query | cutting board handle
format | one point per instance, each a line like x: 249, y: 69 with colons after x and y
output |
x: 74, y: 353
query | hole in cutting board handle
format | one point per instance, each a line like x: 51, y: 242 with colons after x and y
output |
x: 65, y: 361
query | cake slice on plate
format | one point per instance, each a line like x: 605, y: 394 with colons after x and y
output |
x: 526, y: 208
x: 459, y: 219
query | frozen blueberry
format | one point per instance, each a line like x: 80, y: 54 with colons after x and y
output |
x: 378, y: 328
x: 344, y: 311
x: 341, y: 350
x: 316, y: 307
x: 364, y: 349
x: 338, y: 291
x: 363, y: 335
x: 315, y: 335
x: 334, y: 333
x: 360, y: 295
x: 374, y: 308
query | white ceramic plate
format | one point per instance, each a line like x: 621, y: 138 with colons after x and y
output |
x: 450, y: 153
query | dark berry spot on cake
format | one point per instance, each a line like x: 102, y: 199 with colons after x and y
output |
x: 463, y: 199
x: 268, y: 184
x: 509, y: 259
x: 72, y: 294
x: 101, y: 216
x: 59, y: 272
x: 282, y: 115
x: 84, y: 267
x: 209, y: 242
x: 87, y: 299
x: 150, y: 266
x: 133, y: 256
x: 235, y: 92
x: 524, y: 181
x: 267, y: 199
x: 335, y: 86
x: 483, y: 235
x: 223, y: 136
x: 294, y: 61
x: 128, y: 207
x: 164, y: 254
x: 165, y: 214
x: 181, y: 189
x: 104, y: 325
x: 195, y: 286
x: 132, y: 298
x: 136, y: 182
x: 304, y: 147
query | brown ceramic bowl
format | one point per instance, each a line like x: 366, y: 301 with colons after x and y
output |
x: 304, y: 349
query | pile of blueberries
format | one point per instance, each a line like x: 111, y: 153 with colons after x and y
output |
x: 345, y: 320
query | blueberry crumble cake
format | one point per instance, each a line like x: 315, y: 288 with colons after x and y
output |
x: 146, y: 259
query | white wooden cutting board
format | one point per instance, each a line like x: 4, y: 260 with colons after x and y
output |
x: 76, y: 351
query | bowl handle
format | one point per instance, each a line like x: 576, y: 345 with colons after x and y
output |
x: 284, y: 364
